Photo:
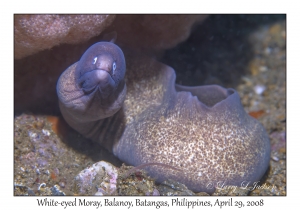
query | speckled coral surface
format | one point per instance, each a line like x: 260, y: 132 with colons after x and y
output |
x: 34, y: 33
x: 270, y: 44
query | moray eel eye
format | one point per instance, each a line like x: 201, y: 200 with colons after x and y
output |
x: 95, y: 60
x: 114, y: 67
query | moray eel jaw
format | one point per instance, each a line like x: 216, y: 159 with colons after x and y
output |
x: 97, y: 80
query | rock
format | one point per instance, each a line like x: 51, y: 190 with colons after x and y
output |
x: 99, y: 179
x: 170, y: 187
x: 231, y: 191
x: 55, y: 190
x: 134, y: 181
x: 20, y: 189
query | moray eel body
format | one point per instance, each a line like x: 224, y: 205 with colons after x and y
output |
x: 203, y: 131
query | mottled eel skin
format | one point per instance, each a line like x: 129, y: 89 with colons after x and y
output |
x: 202, y: 130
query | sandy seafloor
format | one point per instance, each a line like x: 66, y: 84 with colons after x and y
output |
x: 245, y: 52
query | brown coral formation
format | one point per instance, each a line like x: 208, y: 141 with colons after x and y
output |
x: 155, y: 32
x: 36, y: 75
x: 34, y: 33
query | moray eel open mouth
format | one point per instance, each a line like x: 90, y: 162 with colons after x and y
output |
x: 97, y: 80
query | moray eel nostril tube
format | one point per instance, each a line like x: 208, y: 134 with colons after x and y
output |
x: 201, y: 130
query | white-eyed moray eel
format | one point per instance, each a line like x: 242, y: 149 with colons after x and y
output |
x: 144, y: 117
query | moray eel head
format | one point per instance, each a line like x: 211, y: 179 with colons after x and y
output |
x: 101, y: 69
x: 94, y: 87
